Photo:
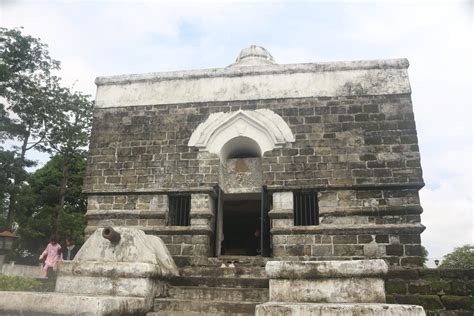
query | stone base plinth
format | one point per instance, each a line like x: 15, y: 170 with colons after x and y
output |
x: 348, y: 309
x: 30, y: 303
x: 337, y: 290
x: 111, y: 278
x: 357, y: 281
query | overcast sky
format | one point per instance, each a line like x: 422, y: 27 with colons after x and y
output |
x: 96, y: 38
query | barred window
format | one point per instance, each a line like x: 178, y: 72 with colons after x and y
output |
x: 179, y: 208
x: 305, y: 206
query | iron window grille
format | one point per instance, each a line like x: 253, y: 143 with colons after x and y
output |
x: 179, y: 209
x: 305, y: 206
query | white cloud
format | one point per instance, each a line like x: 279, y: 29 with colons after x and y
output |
x: 448, y: 202
x: 448, y: 216
x: 77, y: 74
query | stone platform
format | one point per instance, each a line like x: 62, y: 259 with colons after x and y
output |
x: 31, y: 303
x: 347, y: 309
x: 333, y: 288
x: 357, y: 281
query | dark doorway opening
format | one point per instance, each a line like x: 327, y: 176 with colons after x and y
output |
x: 241, y: 223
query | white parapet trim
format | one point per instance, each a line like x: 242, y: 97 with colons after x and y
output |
x: 375, y: 77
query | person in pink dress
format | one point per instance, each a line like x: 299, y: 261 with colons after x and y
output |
x: 52, y: 254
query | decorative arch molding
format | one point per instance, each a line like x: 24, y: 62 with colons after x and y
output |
x: 264, y: 126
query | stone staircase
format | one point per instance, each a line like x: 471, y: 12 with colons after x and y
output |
x: 215, y: 290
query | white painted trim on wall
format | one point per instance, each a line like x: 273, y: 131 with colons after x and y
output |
x: 264, y: 126
x: 257, y: 82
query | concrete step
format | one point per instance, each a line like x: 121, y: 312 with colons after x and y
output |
x: 216, y: 271
x: 220, y: 282
x: 219, y: 293
x: 167, y: 306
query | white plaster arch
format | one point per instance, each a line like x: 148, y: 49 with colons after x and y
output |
x: 264, y: 126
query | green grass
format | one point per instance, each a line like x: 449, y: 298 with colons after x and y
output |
x: 17, y: 283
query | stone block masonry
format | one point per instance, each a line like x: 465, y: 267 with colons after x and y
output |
x: 343, y: 130
x: 439, y: 291
x: 340, y: 141
x: 150, y: 212
x: 356, y: 232
x: 359, y: 153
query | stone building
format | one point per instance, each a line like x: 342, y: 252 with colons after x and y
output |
x: 298, y: 162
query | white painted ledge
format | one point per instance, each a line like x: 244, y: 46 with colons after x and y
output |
x: 377, y: 77
x: 326, y: 269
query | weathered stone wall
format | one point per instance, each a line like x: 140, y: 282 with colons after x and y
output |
x: 363, y: 230
x: 365, y: 140
x: 345, y: 244
x: 241, y: 175
x: 359, y: 152
x: 439, y: 291
x: 149, y: 212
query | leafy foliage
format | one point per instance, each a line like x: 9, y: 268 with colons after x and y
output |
x: 67, y: 135
x: 460, y: 258
x: 10, y: 167
x: 27, y: 83
x: 29, y: 88
x: 17, y: 283
x: 36, y: 207
x: 38, y: 114
x: 424, y: 254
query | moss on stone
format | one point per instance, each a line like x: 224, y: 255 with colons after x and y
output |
x: 470, y: 286
x: 429, y: 274
x: 402, y: 273
x: 407, y: 299
x: 456, y: 302
x: 440, y: 287
x: 430, y: 302
x: 390, y: 299
x: 396, y: 287
x: 419, y: 287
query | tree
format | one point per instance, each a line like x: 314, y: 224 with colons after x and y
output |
x: 424, y: 254
x: 9, y: 169
x: 67, y: 136
x: 28, y: 86
x: 460, y: 258
x: 37, y: 202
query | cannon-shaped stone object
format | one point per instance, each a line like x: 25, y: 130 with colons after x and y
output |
x: 111, y: 235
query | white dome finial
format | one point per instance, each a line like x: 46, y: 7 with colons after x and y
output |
x: 253, y: 56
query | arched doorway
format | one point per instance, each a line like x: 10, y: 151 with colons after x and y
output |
x: 239, y: 214
x: 240, y: 138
